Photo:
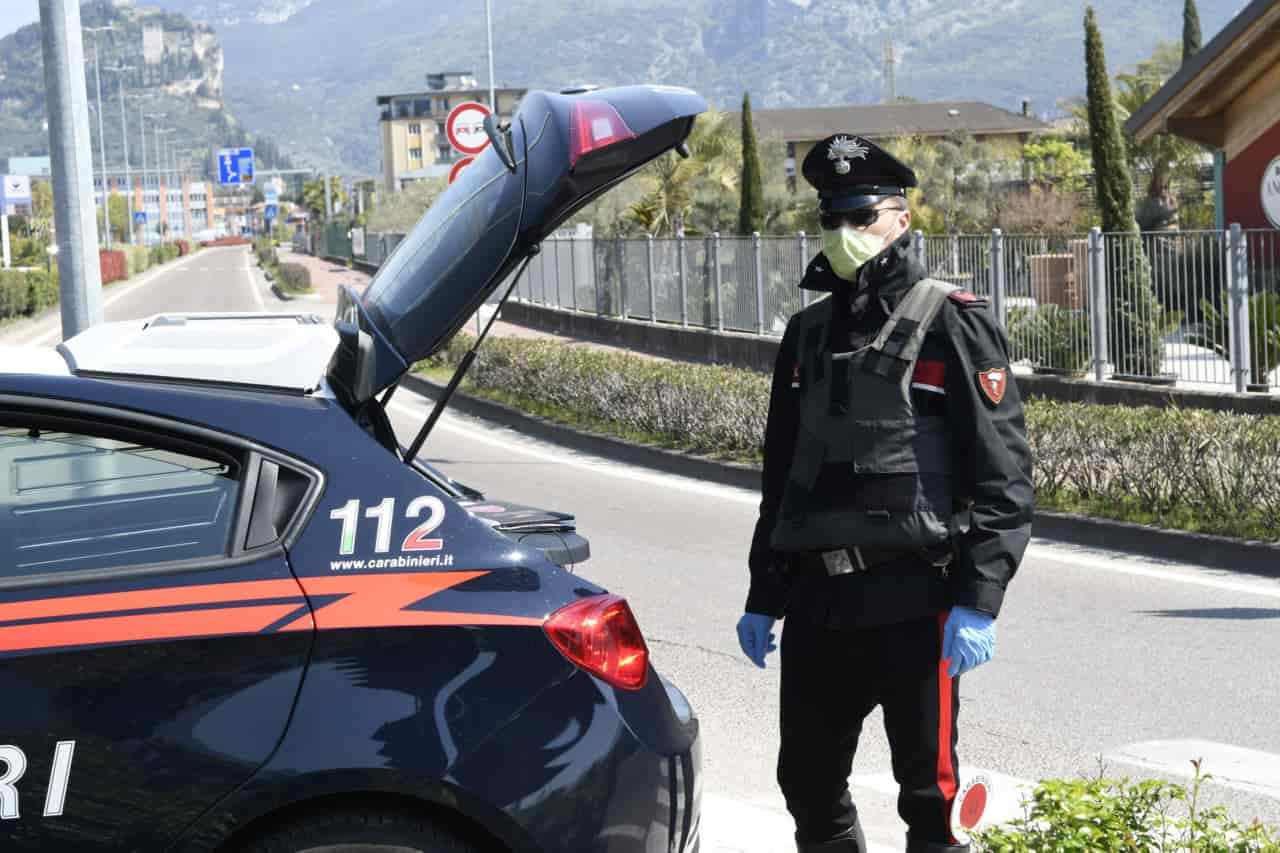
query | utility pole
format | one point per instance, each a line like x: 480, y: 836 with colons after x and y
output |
x: 890, y: 72
x: 147, y: 233
x: 124, y: 137
x: 102, y: 142
x: 79, y: 273
x: 162, y: 185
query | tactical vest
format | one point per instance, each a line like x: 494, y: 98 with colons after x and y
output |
x: 891, y: 467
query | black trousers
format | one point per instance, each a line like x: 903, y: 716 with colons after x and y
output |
x: 831, y: 680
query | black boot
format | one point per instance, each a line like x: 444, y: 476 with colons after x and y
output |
x: 849, y: 841
x: 914, y: 846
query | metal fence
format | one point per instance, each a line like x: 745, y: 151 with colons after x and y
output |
x: 1196, y: 308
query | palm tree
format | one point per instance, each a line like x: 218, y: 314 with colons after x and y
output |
x: 673, y: 184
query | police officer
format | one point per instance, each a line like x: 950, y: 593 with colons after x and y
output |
x: 896, y: 506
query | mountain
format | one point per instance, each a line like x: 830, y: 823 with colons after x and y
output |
x: 176, y: 66
x: 307, y: 71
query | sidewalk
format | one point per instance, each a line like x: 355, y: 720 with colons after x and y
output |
x: 325, y: 275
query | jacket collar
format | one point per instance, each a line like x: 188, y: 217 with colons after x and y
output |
x: 891, y: 273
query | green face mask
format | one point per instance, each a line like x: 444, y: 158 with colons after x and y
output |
x: 847, y: 249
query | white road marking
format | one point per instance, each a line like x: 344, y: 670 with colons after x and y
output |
x: 117, y: 294
x: 1077, y: 557
x: 1230, y: 766
x: 253, y: 284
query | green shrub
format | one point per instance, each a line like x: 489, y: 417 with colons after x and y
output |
x: 14, y: 299
x: 1051, y: 336
x: 295, y: 278
x: 1189, y: 469
x: 1264, y: 333
x: 138, y: 259
x: 42, y: 290
x: 1150, y: 816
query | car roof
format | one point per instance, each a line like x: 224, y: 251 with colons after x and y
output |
x: 40, y: 361
x: 276, y: 351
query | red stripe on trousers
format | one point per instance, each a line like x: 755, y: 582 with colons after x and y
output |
x: 946, y: 771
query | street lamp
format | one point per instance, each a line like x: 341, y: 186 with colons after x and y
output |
x: 124, y: 136
x: 102, y: 145
x: 163, y: 217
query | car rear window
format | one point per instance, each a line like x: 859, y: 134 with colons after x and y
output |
x: 71, y: 501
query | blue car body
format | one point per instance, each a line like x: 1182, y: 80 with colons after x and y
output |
x: 226, y: 602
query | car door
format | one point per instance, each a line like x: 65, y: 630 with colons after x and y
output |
x: 152, y: 636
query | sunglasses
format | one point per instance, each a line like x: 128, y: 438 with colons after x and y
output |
x: 860, y: 218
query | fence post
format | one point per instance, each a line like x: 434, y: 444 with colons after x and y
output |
x: 684, y: 290
x: 759, y: 271
x: 1241, y: 347
x: 1097, y: 272
x: 648, y: 267
x: 715, y: 250
x: 803, y: 241
x: 997, y: 276
x: 621, y: 257
x: 918, y: 249
x: 573, y: 273
x: 595, y: 275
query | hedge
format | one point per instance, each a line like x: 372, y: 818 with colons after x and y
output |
x: 1213, y: 472
x: 295, y: 278
x: 113, y: 265
x: 23, y: 293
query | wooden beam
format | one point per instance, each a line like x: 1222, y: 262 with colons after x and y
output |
x: 1209, y: 130
x: 1193, y: 93
x: 1253, y: 113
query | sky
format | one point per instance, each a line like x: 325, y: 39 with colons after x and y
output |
x: 15, y: 13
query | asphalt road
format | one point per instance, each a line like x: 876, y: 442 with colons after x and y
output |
x: 1101, y: 657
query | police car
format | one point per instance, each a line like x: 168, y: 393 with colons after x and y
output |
x: 237, y: 614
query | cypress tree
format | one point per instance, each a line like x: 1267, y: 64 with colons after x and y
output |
x: 751, y: 205
x: 1139, y: 324
x: 1190, y: 30
x: 1112, y: 179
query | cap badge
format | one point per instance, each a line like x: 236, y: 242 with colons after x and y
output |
x: 843, y: 149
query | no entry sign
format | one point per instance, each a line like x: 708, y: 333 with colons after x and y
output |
x: 459, y: 166
x: 465, y: 128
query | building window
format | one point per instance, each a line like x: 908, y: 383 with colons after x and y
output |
x: 415, y: 129
x: 422, y: 107
x: 402, y: 109
x: 415, y: 153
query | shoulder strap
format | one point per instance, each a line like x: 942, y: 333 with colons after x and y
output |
x: 903, y: 333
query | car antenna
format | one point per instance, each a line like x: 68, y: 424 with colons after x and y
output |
x: 454, y: 381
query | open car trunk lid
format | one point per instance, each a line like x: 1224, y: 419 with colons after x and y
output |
x: 568, y: 149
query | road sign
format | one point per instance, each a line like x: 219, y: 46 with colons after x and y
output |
x: 465, y: 128
x: 459, y: 166
x: 17, y: 190
x: 235, y: 166
x: 1270, y: 192
x: 270, y: 211
x: 140, y: 217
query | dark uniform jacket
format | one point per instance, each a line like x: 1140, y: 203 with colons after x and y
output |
x: 991, y: 458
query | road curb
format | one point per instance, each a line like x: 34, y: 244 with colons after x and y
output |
x: 1218, y: 552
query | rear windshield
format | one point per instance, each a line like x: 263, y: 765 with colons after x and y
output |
x: 448, y: 257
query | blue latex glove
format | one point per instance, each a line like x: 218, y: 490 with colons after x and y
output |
x: 755, y: 635
x: 968, y: 639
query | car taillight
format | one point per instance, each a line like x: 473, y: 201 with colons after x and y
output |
x: 600, y: 635
x: 594, y: 125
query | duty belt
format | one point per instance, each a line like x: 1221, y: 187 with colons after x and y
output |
x: 843, y: 561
